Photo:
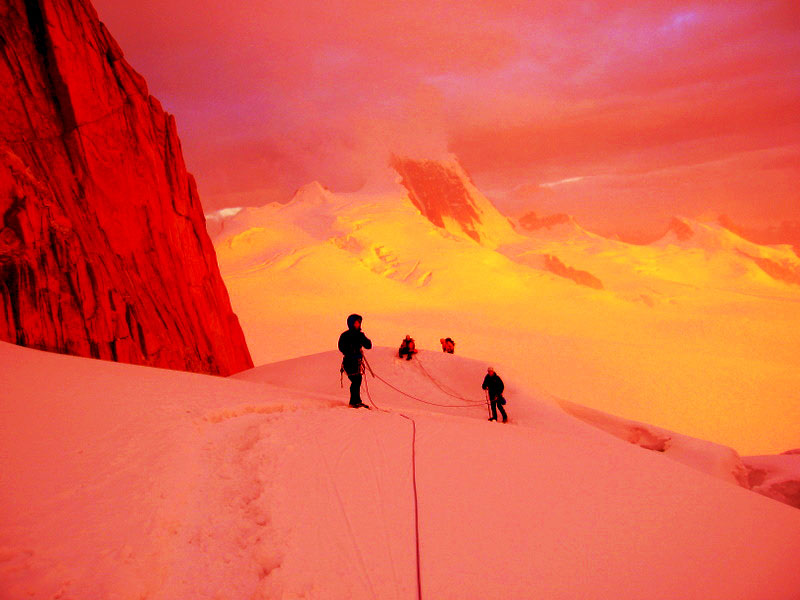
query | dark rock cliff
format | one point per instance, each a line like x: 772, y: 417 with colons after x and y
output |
x: 103, y: 246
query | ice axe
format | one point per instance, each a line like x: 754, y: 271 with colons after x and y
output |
x: 488, y: 407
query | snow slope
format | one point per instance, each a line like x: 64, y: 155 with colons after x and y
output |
x: 776, y: 477
x: 694, y: 334
x: 130, y: 482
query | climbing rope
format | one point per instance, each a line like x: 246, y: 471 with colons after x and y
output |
x: 416, y: 503
x: 365, y: 366
x: 365, y: 382
x: 398, y: 390
x: 444, y: 388
x: 413, y: 476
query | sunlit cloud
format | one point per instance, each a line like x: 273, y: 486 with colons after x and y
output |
x: 269, y: 96
x: 553, y: 184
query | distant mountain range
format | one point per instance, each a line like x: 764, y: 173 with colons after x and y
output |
x: 445, y: 196
x: 682, y: 332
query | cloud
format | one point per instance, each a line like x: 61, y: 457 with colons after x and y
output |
x: 269, y: 96
x: 552, y: 184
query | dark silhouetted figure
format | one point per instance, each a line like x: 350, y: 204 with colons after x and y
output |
x: 448, y: 345
x: 494, y: 385
x: 350, y: 344
x: 408, y: 348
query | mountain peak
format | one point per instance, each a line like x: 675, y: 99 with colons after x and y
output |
x: 787, y: 232
x: 445, y: 194
x: 708, y: 236
x: 313, y: 192
x: 680, y: 228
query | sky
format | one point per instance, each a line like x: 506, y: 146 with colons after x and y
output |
x: 620, y: 113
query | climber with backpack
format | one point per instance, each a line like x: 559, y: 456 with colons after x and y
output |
x: 448, y: 345
x: 351, y: 343
x: 494, y: 388
x: 408, y: 348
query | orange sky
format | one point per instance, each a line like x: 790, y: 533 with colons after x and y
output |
x: 621, y: 113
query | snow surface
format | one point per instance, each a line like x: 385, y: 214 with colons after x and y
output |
x: 120, y: 481
x: 692, y: 335
x: 714, y: 459
x: 776, y: 477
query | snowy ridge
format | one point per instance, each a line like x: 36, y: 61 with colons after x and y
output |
x: 139, y: 482
x: 776, y: 476
x: 713, y: 459
x: 714, y: 249
x: 711, y: 237
x: 716, y: 238
x: 561, y: 227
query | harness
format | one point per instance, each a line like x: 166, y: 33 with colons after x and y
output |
x: 342, y: 370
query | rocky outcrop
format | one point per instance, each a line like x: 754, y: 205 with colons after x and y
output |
x: 531, y: 222
x: 444, y: 193
x: 776, y: 476
x: 786, y: 272
x: 680, y: 229
x: 555, y: 266
x: 103, y: 247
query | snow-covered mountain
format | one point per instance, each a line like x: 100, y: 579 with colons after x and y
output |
x: 711, y: 237
x: 695, y: 335
x: 446, y: 195
x: 121, y: 481
x: 728, y: 252
x: 787, y: 233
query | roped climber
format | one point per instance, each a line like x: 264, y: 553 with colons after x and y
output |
x: 350, y: 344
x: 494, y: 386
x: 408, y: 348
x: 448, y: 345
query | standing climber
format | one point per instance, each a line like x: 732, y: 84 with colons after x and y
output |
x: 494, y: 386
x: 408, y: 348
x: 350, y: 344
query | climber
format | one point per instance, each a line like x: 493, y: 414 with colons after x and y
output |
x: 407, y: 348
x: 351, y: 343
x: 494, y: 388
x: 448, y: 345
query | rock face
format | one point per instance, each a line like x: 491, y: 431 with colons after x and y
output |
x: 531, y: 222
x: 680, y: 229
x: 444, y: 193
x: 780, y: 271
x: 555, y: 266
x: 103, y: 246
